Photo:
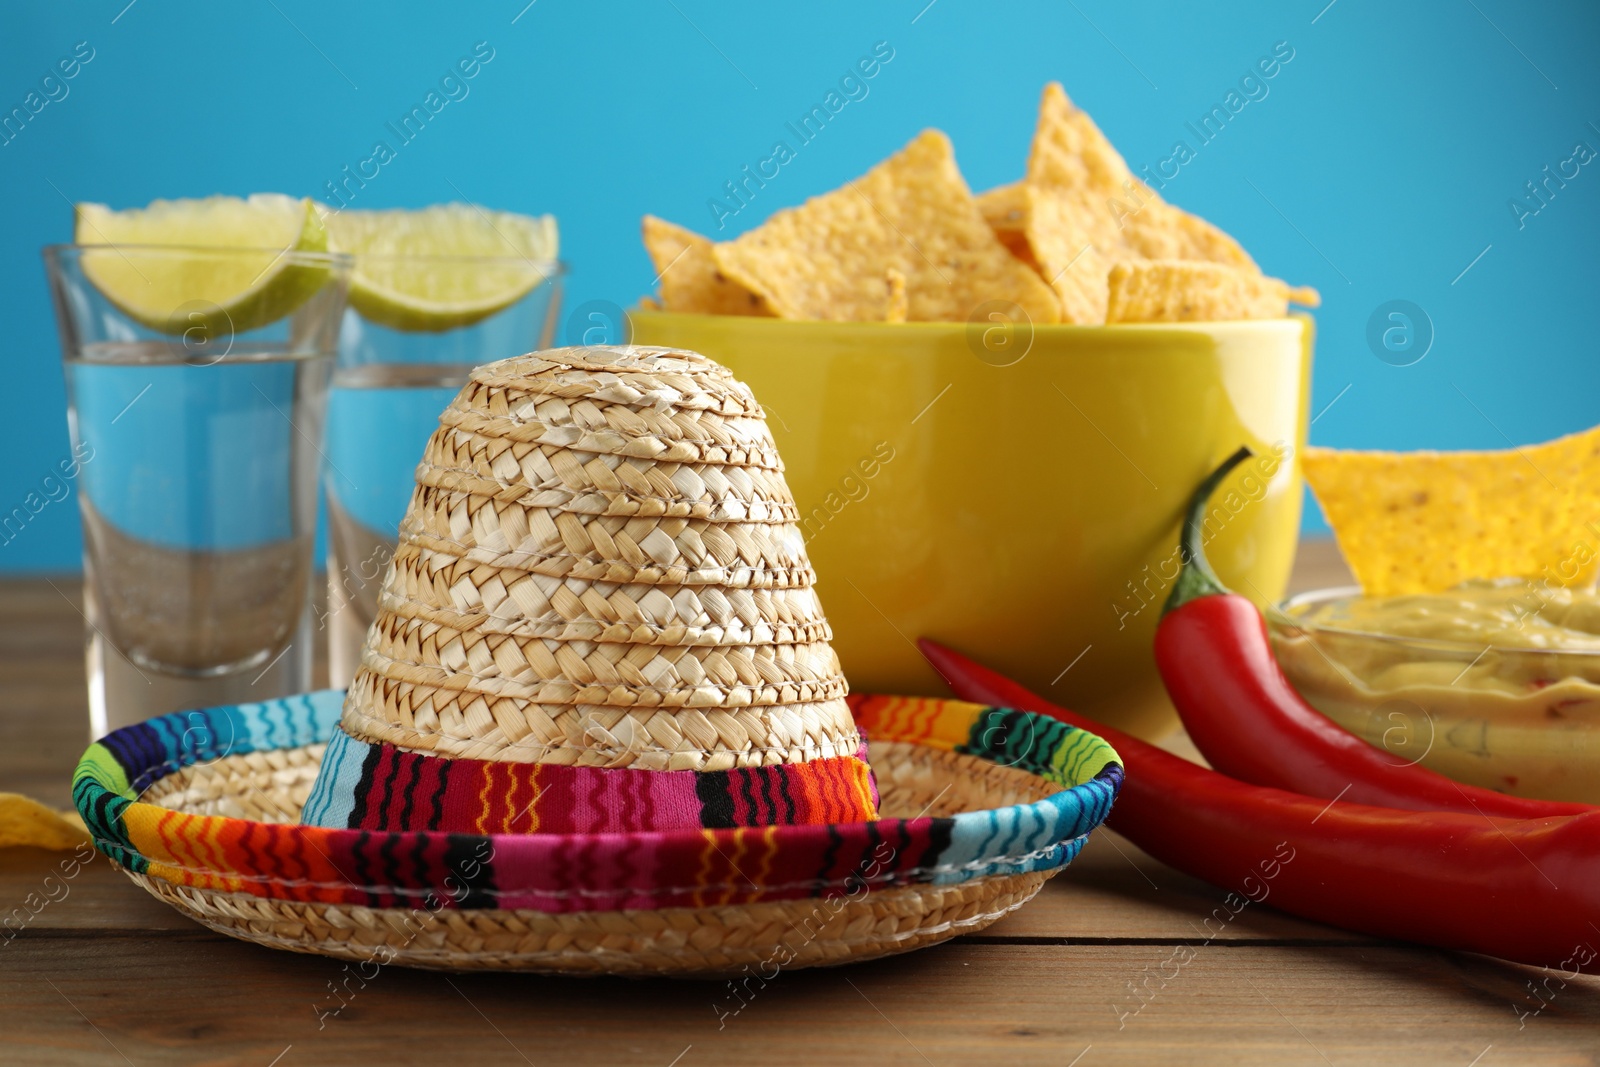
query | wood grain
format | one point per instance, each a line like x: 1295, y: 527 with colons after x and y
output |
x: 1109, y: 965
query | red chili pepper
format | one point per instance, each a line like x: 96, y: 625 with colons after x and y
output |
x: 1249, y: 722
x: 1526, y: 890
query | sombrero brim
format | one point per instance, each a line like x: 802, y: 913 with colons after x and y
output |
x: 201, y: 809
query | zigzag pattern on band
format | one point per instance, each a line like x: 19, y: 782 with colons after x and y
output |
x: 381, y: 787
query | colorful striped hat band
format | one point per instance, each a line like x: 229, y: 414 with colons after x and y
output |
x: 380, y: 787
x: 134, y: 785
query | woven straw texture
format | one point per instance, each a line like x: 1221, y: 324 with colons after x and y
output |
x: 586, y: 672
x: 505, y: 403
x: 612, y: 548
x: 552, y: 477
x: 705, y: 941
x: 687, y: 942
x: 981, y: 806
x: 600, y: 566
x: 425, y: 584
x: 470, y: 725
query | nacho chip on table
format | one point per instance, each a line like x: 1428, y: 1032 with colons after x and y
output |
x: 912, y: 213
x: 1419, y: 522
x: 690, y: 280
x: 1188, y: 291
x: 24, y: 822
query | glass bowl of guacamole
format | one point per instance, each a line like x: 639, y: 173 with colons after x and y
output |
x: 1495, y: 683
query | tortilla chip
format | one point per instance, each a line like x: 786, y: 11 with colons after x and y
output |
x: 1070, y: 155
x: 1085, y: 211
x: 24, y: 821
x: 1005, y: 209
x: 1073, y: 173
x: 912, y: 213
x: 1069, y: 257
x: 690, y: 280
x: 1160, y: 231
x: 1170, y: 290
x: 1420, y: 522
x: 895, y: 282
x: 1305, y: 296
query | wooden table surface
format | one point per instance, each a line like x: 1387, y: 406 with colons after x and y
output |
x: 99, y: 972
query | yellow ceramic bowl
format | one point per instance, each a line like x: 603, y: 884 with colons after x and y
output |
x: 1022, y: 510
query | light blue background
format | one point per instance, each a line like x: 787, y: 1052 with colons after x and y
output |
x: 1377, y: 168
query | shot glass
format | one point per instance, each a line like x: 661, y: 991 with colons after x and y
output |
x: 197, y: 429
x: 389, y: 387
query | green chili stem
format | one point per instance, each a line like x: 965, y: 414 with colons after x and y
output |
x: 1196, y: 578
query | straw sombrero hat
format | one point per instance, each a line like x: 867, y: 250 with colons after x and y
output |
x: 597, y: 725
x: 595, y: 487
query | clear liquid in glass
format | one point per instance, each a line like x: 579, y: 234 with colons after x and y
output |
x: 380, y: 416
x: 198, y: 497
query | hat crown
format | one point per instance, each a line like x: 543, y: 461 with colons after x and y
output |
x: 625, y: 374
x: 601, y: 571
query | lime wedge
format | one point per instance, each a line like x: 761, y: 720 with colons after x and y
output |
x: 443, y: 267
x: 251, y: 285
